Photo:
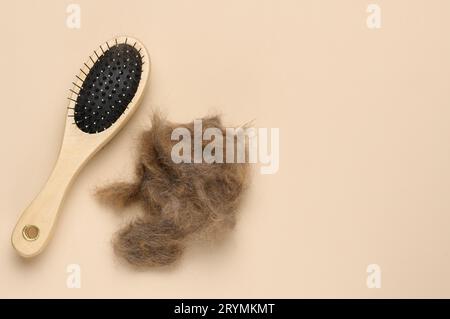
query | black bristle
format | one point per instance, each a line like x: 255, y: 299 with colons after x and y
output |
x: 76, y: 85
x: 108, y: 88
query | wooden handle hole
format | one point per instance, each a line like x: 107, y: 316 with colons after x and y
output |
x: 30, y: 232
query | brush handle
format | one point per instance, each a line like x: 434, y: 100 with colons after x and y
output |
x: 35, y: 226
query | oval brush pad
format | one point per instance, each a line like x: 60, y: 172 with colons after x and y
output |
x: 104, y: 95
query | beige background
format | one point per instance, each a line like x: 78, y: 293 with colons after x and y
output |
x: 365, y: 158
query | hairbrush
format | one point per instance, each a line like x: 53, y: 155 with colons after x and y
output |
x: 105, y: 94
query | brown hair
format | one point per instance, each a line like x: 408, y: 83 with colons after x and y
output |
x: 177, y: 200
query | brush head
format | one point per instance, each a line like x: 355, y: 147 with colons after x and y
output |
x: 108, y: 88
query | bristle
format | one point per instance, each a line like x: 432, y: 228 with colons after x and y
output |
x: 108, y: 88
x: 76, y: 85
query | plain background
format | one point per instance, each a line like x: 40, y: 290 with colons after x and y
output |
x: 364, y: 152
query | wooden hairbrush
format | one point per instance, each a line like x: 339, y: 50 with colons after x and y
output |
x: 105, y: 94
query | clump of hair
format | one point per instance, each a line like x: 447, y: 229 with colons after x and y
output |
x: 179, y: 201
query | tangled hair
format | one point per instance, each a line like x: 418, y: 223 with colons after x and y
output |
x: 179, y: 201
